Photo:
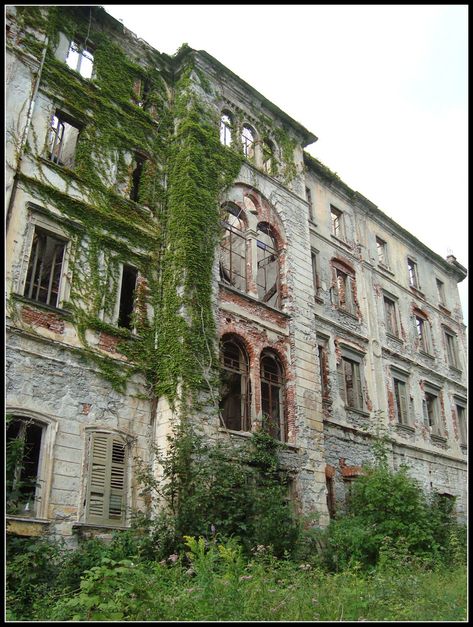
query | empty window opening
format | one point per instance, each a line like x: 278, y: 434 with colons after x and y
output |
x: 331, y: 503
x: 233, y: 249
x: 234, y: 387
x: 226, y: 129
x: 323, y: 368
x: 381, y: 248
x: 272, y: 397
x: 337, y: 223
x: 267, y: 278
x: 431, y: 412
x: 308, y: 194
x: 390, y: 316
x: 80, y: 59
x: 350, y: 383
x: 401, y: 402
x: 23, y: 446
x: 105, y: 502
x: 441, y: 291
x: 248, y: 142
x: 136, y: 178
x: 45, y: 268
x: 62, y: 140
x: 268, y: 157
x: 344, y: 291
x: 423, y: 334
x: 127, y: 297
x: 141, y: 89
x: 413, y: 275
x: 462, y: 424
x: 452, y: 352
x: 315, y: 272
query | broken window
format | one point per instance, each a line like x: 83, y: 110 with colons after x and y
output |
x: 452, y: 349
x: 432, y: 411
x: 136, y: 178
x: 24, y: 440
x: 382, y: 251
x: 315, y: 272
x: 233, y: 249
x: 331, y: 503
x: 267, y: 278
x: 462, y: 423
x: 141, y: 88
x: 390, y: 316
x: 441, y: 291
x: 234, y: 387
x: 248, y: 142
x: 80, y: 59
x: 127, y: 297
x: 343, y: 291
x: 63, y: 135
x: 350, y: 384
x: 308, y: 194
x: 323, y: 368
x: 423, y: 334
x: 272, y: 402
x: 106, y: 496
x: 226, y: 129
x: 43, y: 279
x: 338, y: 227
x: 268, y: 157
x: 401, y: 401
x: 413, y: 275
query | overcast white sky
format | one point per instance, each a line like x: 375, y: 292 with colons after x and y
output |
x: 383, y: 87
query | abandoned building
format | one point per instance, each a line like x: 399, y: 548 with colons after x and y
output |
x: 164, y: 221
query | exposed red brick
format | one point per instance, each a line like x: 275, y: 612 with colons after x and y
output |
x: 349, y: 471
x: 330, y: 471
x: 108, y: 342
x: 46, y: 319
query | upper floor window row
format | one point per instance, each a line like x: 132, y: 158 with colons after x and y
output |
x: 260, y: 152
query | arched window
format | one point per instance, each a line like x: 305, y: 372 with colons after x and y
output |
x: 248, y: 141
x: 272, y: 396
x: 268, y: 266
x: 233, y: 249
x: 235, y: 387
x: 226, y: 129
x: 268, y: 156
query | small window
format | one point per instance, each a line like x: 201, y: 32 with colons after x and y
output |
x: 343, y: 291
x: 331, y: 503
x: 136, y: 178
x: 432, y: 412
x: 106, y: 495
x: 248, y: 142
x: 401, y: 401
x: 423, y: 334
x: 338, y: 227
x: 63, y: 135
x: 350, y: 382
x: 315, y: 272
x: 272, y: 396
x: 234, y: 387
x: 226, y: 129
x: 413, y: 274
x: 80, y: 59
x: 462, y: 424
x: 308, y: 194
x: 141, y: 88
x: 268, y: 157
x: 452, y: 349
x: 127, y: 297
x: 24, y: 441
x: 268, y: 266
x: 390, y: 316
x: 323, y: 368
x: 441, y: 291
x: 233, y: 249
x: 381, y: 248
x: 45, y: 266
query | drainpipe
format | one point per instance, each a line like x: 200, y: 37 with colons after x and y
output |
x: 25, y: 133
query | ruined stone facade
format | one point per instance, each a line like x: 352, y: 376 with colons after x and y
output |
x: 334, y: 325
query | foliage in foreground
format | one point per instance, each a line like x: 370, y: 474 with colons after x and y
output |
x: 213, y: 581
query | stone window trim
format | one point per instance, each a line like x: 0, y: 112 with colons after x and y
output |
x: 451, y: 348
x: 235, y: 406
x: 338, y: 223
x: 316, y: 276
x: 432, y: 409
x: 351, y: 381
x: 400, y: 381
x: 460, y: 403
x: 45, y: 462
x: 37, y: 221
x: 423, y: 333
x: 413, y: 275
x: 343, y: 290
x: 273, y: 394
x: 391, y: 315
x: 106, y: 477
x: 382, y: 252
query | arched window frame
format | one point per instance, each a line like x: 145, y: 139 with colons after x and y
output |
x: 273, y: 395
x: 248, y: 141
x: 226, y: 128
x: 269, y: 156
x: 269, y: 291
x: 236, y: 375
x: 233, y: 254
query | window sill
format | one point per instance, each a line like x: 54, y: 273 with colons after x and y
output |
x: 417, y: 291
x: 249, y: 434
x: 319, y: 300
x: 385, y: 269
x: 355, y: 410
x: 424, y: 354
x: 396, y: 338
x: 24, y: 526
x: 341, y: 241
x: 438, y: 439
x: 407, y: 428
x: 312, y: 224
x: 251, y: 298
x: 464, y: 448
x: 455, y: 369
x: 347, y: 313
x: 444, y: 309
x: 85, y: 526
x: 65, y: 313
